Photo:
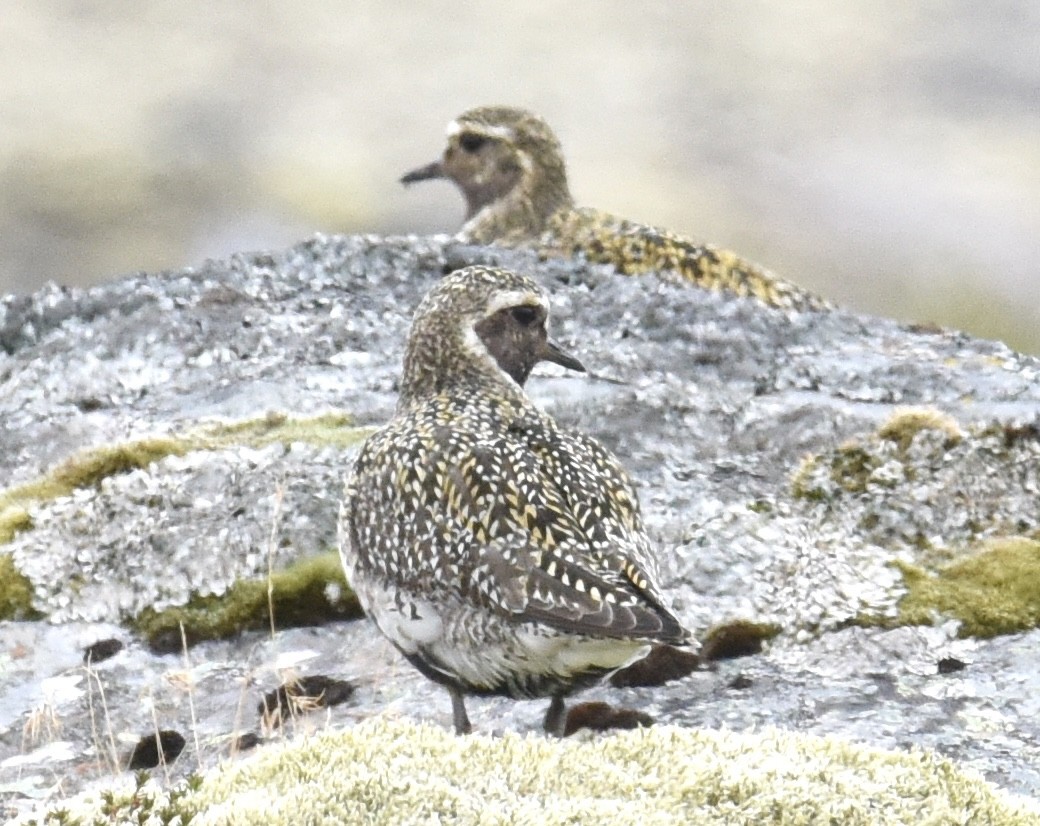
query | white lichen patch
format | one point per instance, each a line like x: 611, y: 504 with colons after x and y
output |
x: 823, y: 553
x: 183, y: 526
x: 930, y: 490
x: 799, y: 571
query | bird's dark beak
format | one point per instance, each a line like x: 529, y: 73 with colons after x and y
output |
x: 552, y: 352
x: 425, y: 173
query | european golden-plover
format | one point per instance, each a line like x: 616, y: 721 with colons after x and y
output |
x: 500, y: 553
x: 509, y: 166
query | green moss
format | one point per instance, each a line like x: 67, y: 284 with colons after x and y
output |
x: 852, y: 465
x: 145, y: 802
x: 333, y: 429
x: 301, y: 592
x: 85, y: 469
x: 89, y: 467
x: 904, y: 425
x: 310, y: 592
x: 996, y: 590
x: 15, y: 592
x: 13, y: 520
x: 802, y: 484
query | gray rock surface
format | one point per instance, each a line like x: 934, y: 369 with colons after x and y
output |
x: 711, y: 401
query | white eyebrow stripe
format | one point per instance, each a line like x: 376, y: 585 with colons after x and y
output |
x: 455, y: 128
x: 515, y: 298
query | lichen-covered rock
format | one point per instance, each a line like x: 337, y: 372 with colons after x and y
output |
x: 172, y: 443
x: 922, y: 481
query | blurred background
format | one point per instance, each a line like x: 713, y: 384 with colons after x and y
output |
x: 885, y: 154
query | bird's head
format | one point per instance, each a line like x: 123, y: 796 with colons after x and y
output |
x: 480, y: 322
x: 509, y: 167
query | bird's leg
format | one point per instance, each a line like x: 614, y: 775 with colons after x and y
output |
x: 556, y: 717
x: 458, y: 712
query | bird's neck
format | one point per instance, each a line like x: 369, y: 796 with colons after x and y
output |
x: 431, y: 371
x: 522, y: 214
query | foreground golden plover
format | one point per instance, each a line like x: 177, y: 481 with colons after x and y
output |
x: 498, y: 552
x: 509, y: 166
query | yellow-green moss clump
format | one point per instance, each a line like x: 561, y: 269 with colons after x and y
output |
x: 15, y: 592
x: 89, y: 467
x: 995, y: 590
x: 850, y: 467
x: 334, y: 429
x: 83, y: 470
x: 310, y: 592
x: 13, y: 520
x: 905, y: 424
x: 391, y: 771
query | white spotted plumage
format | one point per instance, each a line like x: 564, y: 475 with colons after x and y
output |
x: 498, y: 552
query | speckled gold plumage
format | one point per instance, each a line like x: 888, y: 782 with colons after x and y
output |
x: 500, y: 553
x: 509, y: 166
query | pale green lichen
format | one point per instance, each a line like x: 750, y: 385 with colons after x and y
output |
x: 391, y: 771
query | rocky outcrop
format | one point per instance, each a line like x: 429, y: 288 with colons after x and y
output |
x: 173, y: 447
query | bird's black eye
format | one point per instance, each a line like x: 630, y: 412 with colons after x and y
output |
x: 524, y: 315
x: 471, y: 141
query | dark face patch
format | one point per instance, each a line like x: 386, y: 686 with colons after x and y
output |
x: 485, y: 168
x: 517, y: 340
